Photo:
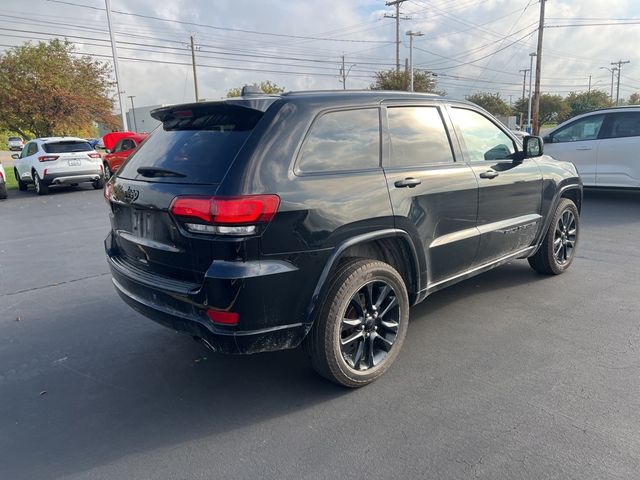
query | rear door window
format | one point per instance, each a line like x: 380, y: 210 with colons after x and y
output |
x: 67, y: 146
x: 625, y: 124
x: 341, y: 141
x: 198, y: 144
x: 418, y: 137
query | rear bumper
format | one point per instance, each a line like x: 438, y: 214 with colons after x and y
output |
x: 65, y: 178
x: 268, y: 317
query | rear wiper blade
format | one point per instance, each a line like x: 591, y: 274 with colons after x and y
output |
x: 158, y: 172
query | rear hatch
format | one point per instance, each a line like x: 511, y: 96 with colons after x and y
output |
x: 188, y: 155
x: 67, y: 156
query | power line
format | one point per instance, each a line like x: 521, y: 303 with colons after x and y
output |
x: 226, y: 29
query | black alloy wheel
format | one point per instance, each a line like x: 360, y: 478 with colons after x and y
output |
x: 370, y: 325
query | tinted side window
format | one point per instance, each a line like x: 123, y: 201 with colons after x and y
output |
x: 625, y: 124
x: 482, y: 138
x: 32, y: 149
x: 418, y: 137
x: 584, y: 129
x: 345, y: 140
x: 128, y: 145
x: 25, y: 150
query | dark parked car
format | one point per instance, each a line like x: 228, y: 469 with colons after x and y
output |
x: 318, y: 218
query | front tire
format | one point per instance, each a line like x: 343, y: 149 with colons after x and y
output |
x: 22, y: 186
x: 41, y: 187
x: 361, y: 325
x: 559, y: 245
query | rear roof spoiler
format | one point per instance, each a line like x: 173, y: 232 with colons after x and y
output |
x: 253, y: 102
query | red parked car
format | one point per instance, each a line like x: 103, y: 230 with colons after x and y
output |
x: 123, y: 144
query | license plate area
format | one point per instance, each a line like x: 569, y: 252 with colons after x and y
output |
x: 74, y: 162
x: 142, y: 224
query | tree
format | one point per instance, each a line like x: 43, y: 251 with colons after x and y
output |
x: 266, y: 86
x: 634, y: 99
x: 584, y: 102
x: 552, y: 108
x: 491, y: 103
x: 423, y: 81
x: 46, y: 90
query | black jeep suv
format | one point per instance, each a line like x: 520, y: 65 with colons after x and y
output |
x: 262, y: 222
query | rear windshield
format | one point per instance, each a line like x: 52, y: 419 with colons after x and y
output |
x: 15, y: 139
x: 67, y: 146
x: 198, y: 145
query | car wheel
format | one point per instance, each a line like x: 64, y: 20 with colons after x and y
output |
x: 41, y: 187
x: 559, y: 245
x: 98, y: 184
x: 361, y: 324
x: 3, y: 191
x: 22, y: 186
x: 107, y: 171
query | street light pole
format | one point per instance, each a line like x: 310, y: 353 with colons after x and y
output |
x: 411, y: 35
x: 116, y: 70
x: 612, y: 70
x: 529, y: 129
x: 133, y: 112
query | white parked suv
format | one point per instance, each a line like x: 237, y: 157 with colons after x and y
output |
x: 604, y: 145
x: 15, y: 143
x: 3, y: 183
x: 57, y: 161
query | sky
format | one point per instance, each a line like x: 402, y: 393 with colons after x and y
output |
x: 472, y: 45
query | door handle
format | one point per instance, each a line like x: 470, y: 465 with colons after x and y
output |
x: 584, y: 148
x: 407, y: 182
x: 489, y: 174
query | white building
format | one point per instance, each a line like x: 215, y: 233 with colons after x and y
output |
x: 140, y: 120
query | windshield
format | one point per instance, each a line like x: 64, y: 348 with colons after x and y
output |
x: 67, y: 146
x: 15, y: 139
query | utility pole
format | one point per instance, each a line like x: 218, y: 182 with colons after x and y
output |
x: 396, y: 3
x: 116, y: 70
x: 529, y: 129
x: 411, y: 35
x: 536, y: 100
x: 619, y: 63
x: 193, y: 63
x: 133, y: 112
x: 589, y: 83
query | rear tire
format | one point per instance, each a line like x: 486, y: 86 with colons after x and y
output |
x: 98, y: 184
x: 560, y: 242
x: 361, y: 324
x: 22, y: 186
x: 41, y: 187
x: 3, y: 191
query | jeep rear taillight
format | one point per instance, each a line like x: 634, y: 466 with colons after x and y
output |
x: 225, y: 215
x: 47, y: 158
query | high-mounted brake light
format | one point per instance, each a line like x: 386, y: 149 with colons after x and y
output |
x: 230, y: 215
x: 47, y: 158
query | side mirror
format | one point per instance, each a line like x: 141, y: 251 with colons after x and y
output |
x: 15, y: 156
x: 532, y: 146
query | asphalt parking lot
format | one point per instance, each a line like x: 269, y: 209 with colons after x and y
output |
x: 509, y: 375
